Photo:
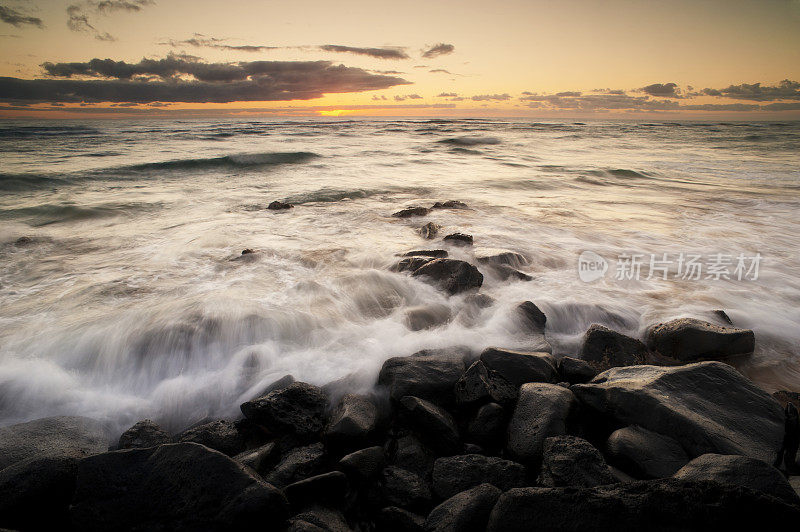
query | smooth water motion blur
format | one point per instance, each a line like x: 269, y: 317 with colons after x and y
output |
x: 124, y: 294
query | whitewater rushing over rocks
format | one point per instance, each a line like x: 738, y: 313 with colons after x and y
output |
x: 124, y: 293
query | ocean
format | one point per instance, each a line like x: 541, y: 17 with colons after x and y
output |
x: 124, y: 294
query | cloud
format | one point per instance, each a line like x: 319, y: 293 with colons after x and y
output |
x: 198, y: 40
x: 785, y: 90
x: 407, y: 97
x: 17, y: 19
x: 176, y: 79
x: 387, y: 52
x: 447, y: 95
x: 440, y: 71
x: 438, y: 49
x: 663, y: 90
x: 491, y: 97
x: 78, y: 14
x: 608, y: 91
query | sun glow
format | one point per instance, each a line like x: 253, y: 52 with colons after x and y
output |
x: 333, y: 112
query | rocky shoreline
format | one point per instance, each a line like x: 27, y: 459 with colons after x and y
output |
x: 660, y: 434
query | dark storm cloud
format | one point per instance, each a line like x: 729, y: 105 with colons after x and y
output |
x: 198, y: 40
x: 175, y: 79
x: 491, y: 97
x: 438, y: 49
x: 379, y: 53
x: 663, y: 90
x: 79, y: 14
x: 785, y: 90
x: 17, y: 19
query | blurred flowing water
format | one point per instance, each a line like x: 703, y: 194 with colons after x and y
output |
x: 127, y: 296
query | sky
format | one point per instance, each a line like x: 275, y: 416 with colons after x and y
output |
x: 732, y: 59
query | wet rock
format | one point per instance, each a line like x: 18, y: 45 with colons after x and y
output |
x: 405, y: 489
x: 258, y: 459
x: 533, y: 318
x: 708, y: 407
x: 739, y: 471
x: 430, y: 375
x: 353, y: 423
x: 784, y: 397
x: 394, y: 519
x: 145, y: 433
x: 248, y: 251
x: 454, y: 474
x: 504, y: 273
x: 429, y: 230
x: 318, y: 518
x: 327, y: 488
x: 519, y: 367
x: 408, y: 452
x: 219, y: 435
x: 297, y: 464
x: 54, y: 436
x: 408, y: 212
x: 505, y: 258
x: 450, y: 204
x: 604, y: 348
x: 487, y: 427
x: 451, y: 275
x: 279, y: 384
x: 299, y: 408
x: 434, y: 253
x: 23, y: 241
x: 787, y: 457
x: 464, y: 512
x: 541, y: 412
x: 657, y: 505
x: 363, y: 464
x: 479, y: 385
x: 645, y: 454
x: 576, y: 371
x: 689, y: 340
x: 573, y: 461
x: 458, y: 239
x: 427, y: 316
x: 279, y: 206
x: 435, y: 424
x: 411, y: 264
x: 182, y: 486
x: 479, y: 300
x: 722, y: 315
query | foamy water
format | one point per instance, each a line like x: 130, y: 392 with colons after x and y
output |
x: 131, y: 299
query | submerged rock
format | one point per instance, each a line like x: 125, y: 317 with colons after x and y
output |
x: 573, y: 461
x: 645, y: 454
x: 504, y: 273
x: 279, y: 206
x: 532, y: 316
x: 604, y: 348
x: 450, y: 204
x: 143, y: 434
x: 429, y: 230
x: 459, y: 239
x: 541, y: 412
x: 505, y: 258
x: 434, y: 253
x: 427, y: 316
x: 467, y: 511
x: 298, y: 408
x: 454, y: 474
x: 411, y: 211
x: 410, y: 264
x: 690, y: 340
x: 451, y: 275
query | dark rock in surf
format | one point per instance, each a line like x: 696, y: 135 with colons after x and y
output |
x: 433, y: 253
x: 454, y: 474
x: 23, y: 241
x: 504, y: 273
x: 467, y: 511
x: 451, y: 204
x: 427, y: 316
x: 429, y: 230
x: 487, y: 427
x: 394, y: 519
x: 690, y: 340
x: 299, y: 408
x: 410, y: 264
x: 519, y: 367
x: 479, y: 385
x: 604, y: 348
x: 784, y: 397
x: 430, y: 375
x: 435, y: 424
x: 722, y: 315
x: 143, y: 434
x: 279, y: 384
x: 353, y: 423
x: 459, y: 239
x: 542, y: 411
x: 364, y: 464
x: 645, y: 454
x: 411, y: 211
x: 405, y: 489
x: 279, y: 206
x: 573, y: 461
x: 182, y: 486
x: 532, y: 316
x: 220, y: 435
x: 576, y: 371
x: 297, y: 464
x: 505, y: 258
x: 327, y: 488
x: 248, y: 251
x: 453, y: 276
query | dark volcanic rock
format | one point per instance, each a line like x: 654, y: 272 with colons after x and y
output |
x: 297, y: 464
x: 573, y: 461
x: 327, y: 488
x: 430, y: 375
x: 722, y: 315
x: 434, y: 253
x: 435, y: 424
x: 429, y: 230
x: 467, y: 511
x: 541, y: 412
x: 604, y: 348
x: 279, y: 384
x: 663, y: 505
x: 451, y: 275
x: 450, y: 204
x: 318, y: 518
x: 532, y: 316
x: 363, y: 464
x: 739, y: 471
x: 298, y: 408
x: 258, y: 459
x: 143, y: 434
x: 504, y: 273
x: 791, y: 441
x: 505, y: 258
x: 405, y: 489
x: 488, y: 426
x: 408, y: 452
x: 394, y: 519
x: 279, y: 206
x: 519, y: 367
x: 576, y: 371
x: 247, y: 251
x: 411, y: 264
x: 219, y: 435
x: 454, y: 474
x: 784, y: 397
x: 644, y: 453
x: 708, y: 407
x: 427, y: 316
x: 689, y: 340
x: 459, y: 239
x: 411, y: 211
x: 53, y: 436
x: 181, y: 486
x: 353, y: 423
x: 479, y: 385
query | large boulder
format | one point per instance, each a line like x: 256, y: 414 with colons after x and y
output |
x: 454, y: 474
x: 479, y: 385
x: 532, y: 316
x: 427, y: 316
x: 394, y: 519
x: 260, y: 458
x: 690, y: 340
x: 353, y: 423
x: 299, y: 408
x: 487, y: 427
x: 433, y: 423
x: 182, y: 486
x: 645, y: 454
x: 328, y: 488
x: 53, y: 436
x: 467, y: 511
x: 363, y: 464
x: 430, y: 375
x: 708, y: 407
x: 519, y: 367
x: 143, y: 434
x: 575, y: 370
x: 409, y: 452
x: 405, y: 489
x: 297, y: 464
x: 318, y: 518
x: 739, y: 471
x: 573, y: 461
x: 451, y: 275
x: 604, y: 348
x: 220, y: 435
x: 664, y: 505
x: 541, y: 412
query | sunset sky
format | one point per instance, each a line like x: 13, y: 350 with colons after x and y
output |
x: 736, y: 59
